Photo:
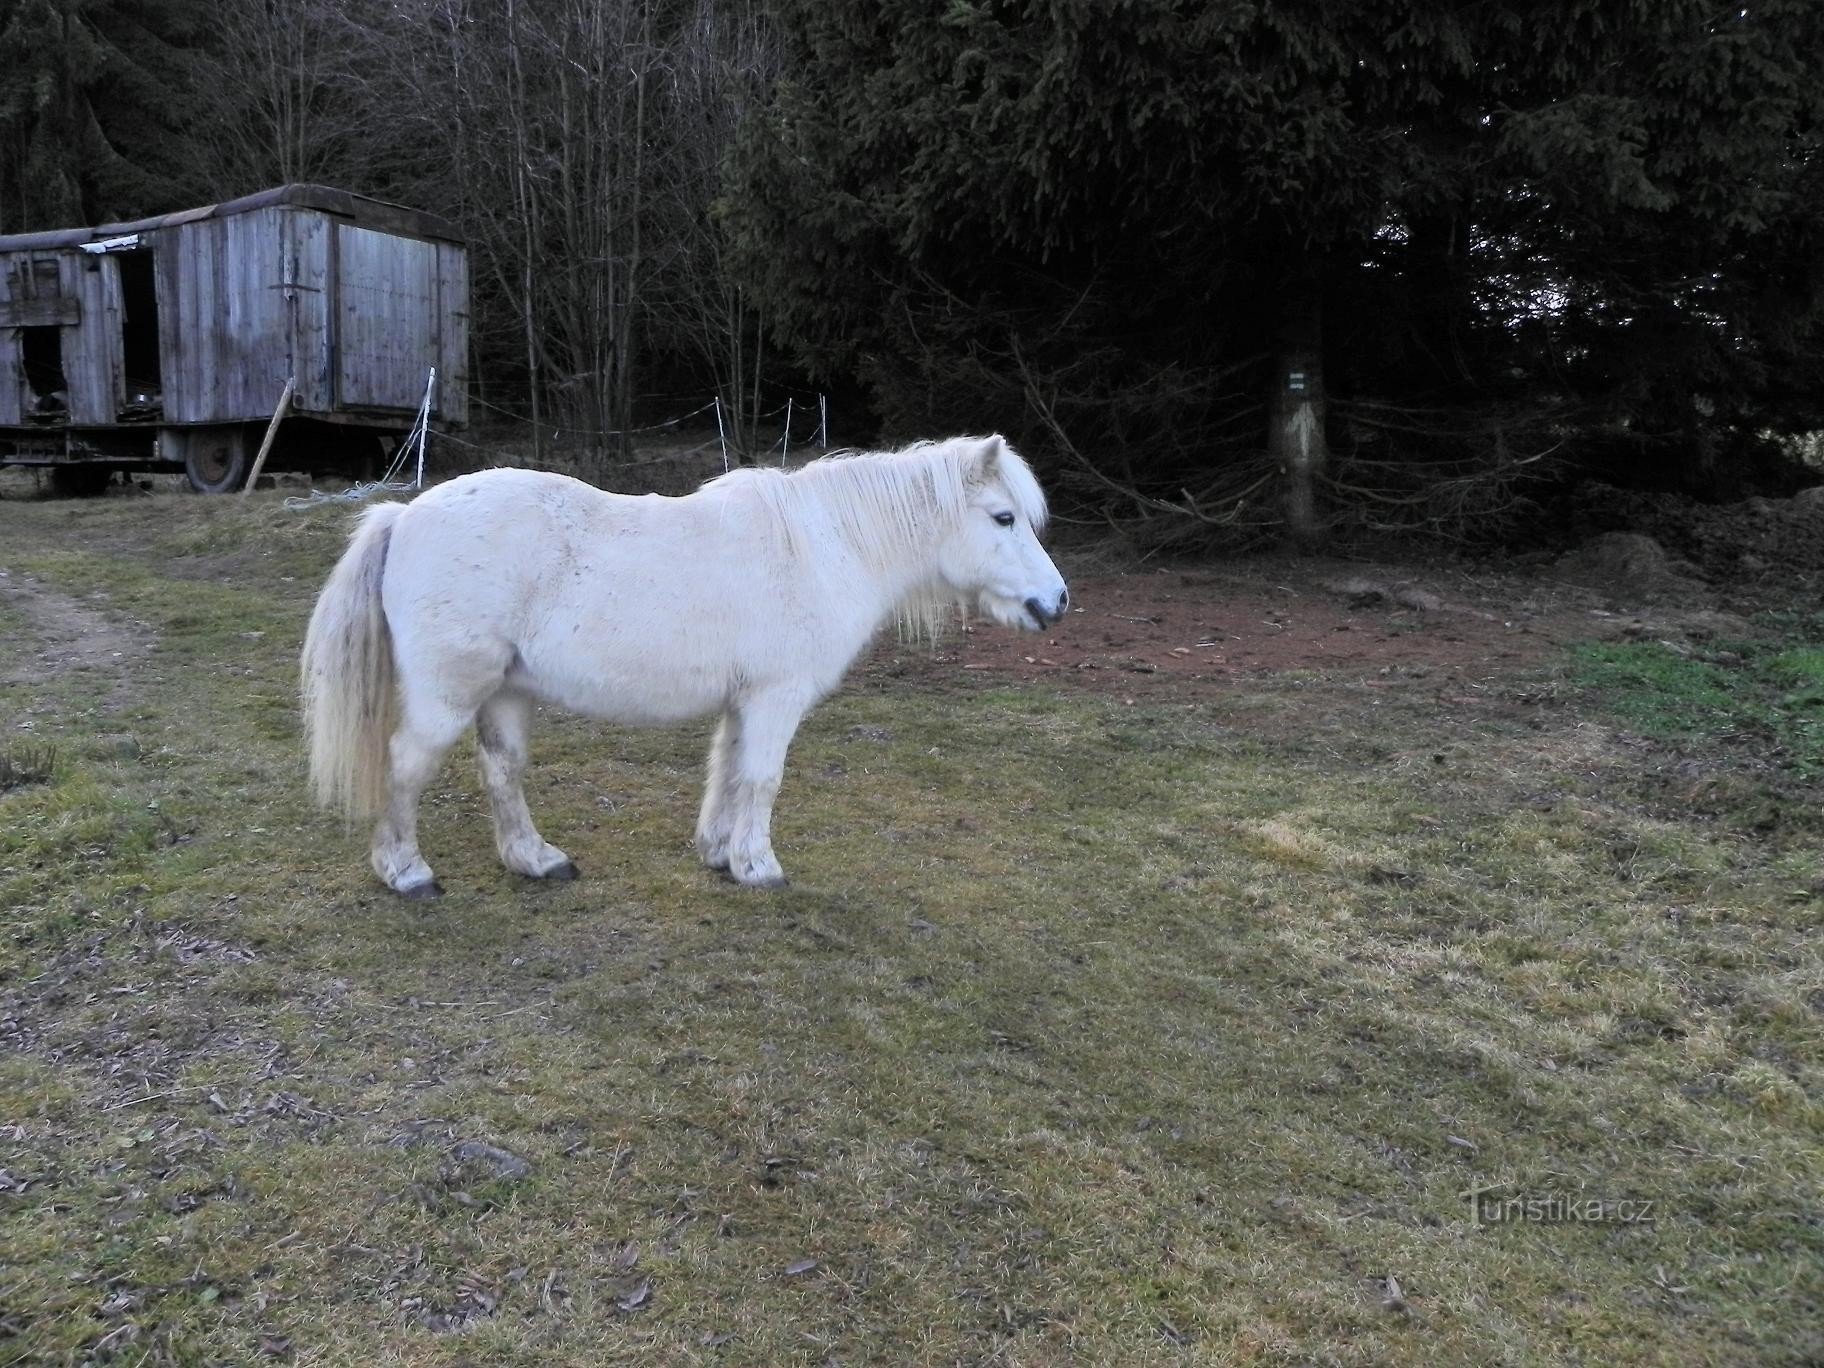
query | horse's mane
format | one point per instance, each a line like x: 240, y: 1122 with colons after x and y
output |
x: 885, y: 504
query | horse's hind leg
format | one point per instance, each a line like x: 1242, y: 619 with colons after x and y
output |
x: 715, y: 819
x: 416, y: 750
x: 503, y: 728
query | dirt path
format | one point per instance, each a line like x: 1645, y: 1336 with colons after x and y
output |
x: 63, y: 634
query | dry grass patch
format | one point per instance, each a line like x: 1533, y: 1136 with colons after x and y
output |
x: 1088, y: 1032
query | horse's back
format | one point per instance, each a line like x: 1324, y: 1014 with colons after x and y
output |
x: 637, y: 608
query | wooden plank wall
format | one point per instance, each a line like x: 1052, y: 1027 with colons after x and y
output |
x: 452, y: 332
x: 224, y: 319
x: 53, y: 311
x: 183, y: 267
x: 98, y: 343
x: 89, y: 288
x: 313, y: 344
x: 12, y: 380
x: 356, y: 316
x: 385, y: 318
x: 256, y: 351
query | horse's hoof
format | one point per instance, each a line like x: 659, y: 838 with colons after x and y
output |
x: 776, y: 882
x: 563, y: 873
x: 422, y: 892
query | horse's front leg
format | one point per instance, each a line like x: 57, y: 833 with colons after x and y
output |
x: 503, y: 729
x: 715, y: 819
x: 767, y: 725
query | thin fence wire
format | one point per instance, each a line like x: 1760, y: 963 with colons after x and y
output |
x: 418, y: 440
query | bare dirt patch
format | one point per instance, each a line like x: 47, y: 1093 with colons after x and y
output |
x: 68, y: 633
x: 1182, y: 632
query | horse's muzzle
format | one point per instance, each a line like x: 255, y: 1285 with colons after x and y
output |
x: 1044, y: 616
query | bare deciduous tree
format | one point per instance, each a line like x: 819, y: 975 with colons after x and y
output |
x: 580, y: 143
x: 285, y: 100
x: 544, y: 118
x: 725, y: 59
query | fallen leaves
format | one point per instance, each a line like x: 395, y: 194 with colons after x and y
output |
x: 635, y: 1297
x: 1395, y: 1298
x: 499, y: 1163
x: 552, y: 1294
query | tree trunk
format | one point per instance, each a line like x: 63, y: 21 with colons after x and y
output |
x: 1295, y: 435
x: 524, y: 208
x: 626, y: 335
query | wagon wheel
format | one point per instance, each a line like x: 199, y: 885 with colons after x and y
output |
x: 215, y: 459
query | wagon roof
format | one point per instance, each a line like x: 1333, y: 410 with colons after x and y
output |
x: 368, y: 213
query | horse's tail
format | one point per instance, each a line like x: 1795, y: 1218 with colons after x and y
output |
x: 347, y: 677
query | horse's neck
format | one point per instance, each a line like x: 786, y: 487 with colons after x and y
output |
x: 887, y: 581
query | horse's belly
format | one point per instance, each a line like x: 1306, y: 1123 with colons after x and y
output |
x: 642, y: 698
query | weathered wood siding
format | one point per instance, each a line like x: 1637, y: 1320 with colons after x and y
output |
x: 80, y: 296
x: 312, y: 236
x: 12, y: 377
x: 386, y: 318
x: 92, y: 361
x: 355, y: 315
x: 224, y: 319
x: 453, y: 333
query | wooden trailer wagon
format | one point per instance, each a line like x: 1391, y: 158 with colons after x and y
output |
x: 167, y: 344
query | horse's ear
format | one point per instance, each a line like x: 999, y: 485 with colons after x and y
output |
x: 987, y: 462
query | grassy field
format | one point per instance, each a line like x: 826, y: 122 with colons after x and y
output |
x: 1179, y: 1030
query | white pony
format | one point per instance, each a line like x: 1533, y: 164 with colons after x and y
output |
x: 748, y: 599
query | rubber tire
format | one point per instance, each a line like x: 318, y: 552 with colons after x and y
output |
x: 216, y: 459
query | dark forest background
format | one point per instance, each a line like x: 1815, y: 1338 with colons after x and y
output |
x: 1486, y: 248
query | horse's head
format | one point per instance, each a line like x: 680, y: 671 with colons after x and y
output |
x: 993, y: 556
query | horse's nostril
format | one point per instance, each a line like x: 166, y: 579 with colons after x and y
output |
x: 1063, y: 601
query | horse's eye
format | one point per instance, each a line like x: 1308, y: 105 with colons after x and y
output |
x: 1004, y: 519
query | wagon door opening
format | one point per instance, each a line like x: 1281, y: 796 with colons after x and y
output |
x: 43, y: 312
x: 139, y: 341
x: 41, y: 357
